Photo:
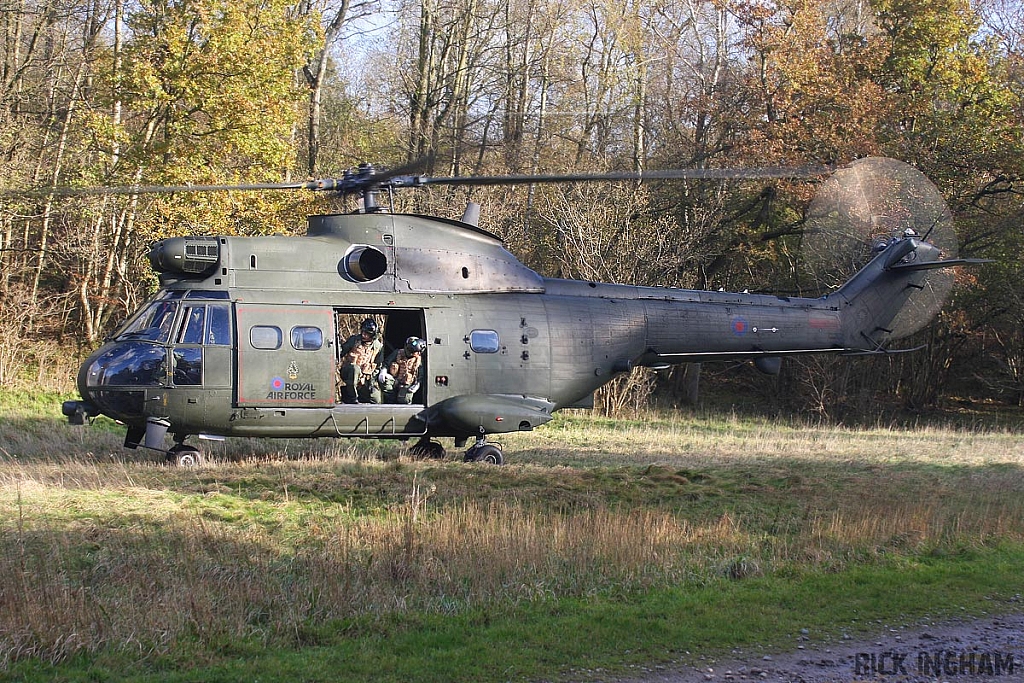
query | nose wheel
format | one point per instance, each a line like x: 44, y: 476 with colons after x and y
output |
x: 482, y: 451
x: 184, y: 455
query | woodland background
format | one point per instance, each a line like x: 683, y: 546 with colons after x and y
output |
x: 118, y: 92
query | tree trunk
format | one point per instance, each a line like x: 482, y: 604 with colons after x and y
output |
x: 690, y: 384
x: 315, y: 77
x: 419, y: 102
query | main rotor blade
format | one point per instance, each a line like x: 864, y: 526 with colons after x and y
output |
x: 366, y: 178
x: 64, y: 191
x: 667, y: 174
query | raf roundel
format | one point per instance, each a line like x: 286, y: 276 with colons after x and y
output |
x: 739, y: 326
x: 277, y: 384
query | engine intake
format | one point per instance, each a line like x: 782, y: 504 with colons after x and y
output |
x: 363, y: 263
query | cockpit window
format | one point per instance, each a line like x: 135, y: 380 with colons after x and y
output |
x: 208, y: 324
x: 192, y: 325
x: 132, y: 364
x: 193, y: 294
x: 202, y: 323
x: 153, y: 323
x: 218, y: 325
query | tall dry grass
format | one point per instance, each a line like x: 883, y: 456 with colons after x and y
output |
x: 100, y: 553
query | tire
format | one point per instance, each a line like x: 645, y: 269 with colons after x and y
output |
x: 185, y: 456
x: 431, y: 450
x: 487, y: 453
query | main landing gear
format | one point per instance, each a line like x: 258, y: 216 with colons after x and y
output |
x: 183, y: 455
x: 482, y: 451
x: 428, y: 449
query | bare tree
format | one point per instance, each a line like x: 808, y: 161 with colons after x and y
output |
x: 336, y: 18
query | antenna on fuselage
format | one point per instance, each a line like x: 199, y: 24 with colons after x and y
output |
x: 472, y: 214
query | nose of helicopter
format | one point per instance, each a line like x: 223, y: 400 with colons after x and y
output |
x: 114, y: 380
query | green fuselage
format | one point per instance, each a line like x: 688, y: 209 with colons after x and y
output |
x: 244, y: 336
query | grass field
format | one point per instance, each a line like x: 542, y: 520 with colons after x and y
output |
x: 605, y: 545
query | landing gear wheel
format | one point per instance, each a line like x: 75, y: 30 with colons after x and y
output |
x: 488, y: 453
x: 427, y: 449
x: 185, y: 456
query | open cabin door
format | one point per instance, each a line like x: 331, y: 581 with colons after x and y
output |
x: 286, y: 356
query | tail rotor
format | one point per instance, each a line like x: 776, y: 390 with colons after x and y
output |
x: 862, y: 209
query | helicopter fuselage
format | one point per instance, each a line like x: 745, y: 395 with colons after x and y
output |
x: 243, y: 338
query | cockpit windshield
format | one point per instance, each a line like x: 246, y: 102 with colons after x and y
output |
x: 153, y: 323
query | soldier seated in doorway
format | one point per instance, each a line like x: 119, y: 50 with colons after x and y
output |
x: 400, y: 377
x: 360, y: 360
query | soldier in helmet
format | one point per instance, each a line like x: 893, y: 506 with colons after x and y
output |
x: 360, y: 358
x: 400, y: 377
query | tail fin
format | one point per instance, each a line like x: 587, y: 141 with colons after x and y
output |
x: 896, y: 294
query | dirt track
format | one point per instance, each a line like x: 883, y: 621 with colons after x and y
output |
x: 989, y: 649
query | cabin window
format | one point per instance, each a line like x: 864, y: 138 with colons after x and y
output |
x: 267, y: 337
x: 307, y: 338
x: 484, y: 341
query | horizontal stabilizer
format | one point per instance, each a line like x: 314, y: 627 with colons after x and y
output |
x: 933, y: 265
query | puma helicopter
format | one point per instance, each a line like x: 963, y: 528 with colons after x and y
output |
x: 244, y: 336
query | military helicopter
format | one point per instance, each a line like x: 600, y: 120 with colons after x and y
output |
x: 245, y: 335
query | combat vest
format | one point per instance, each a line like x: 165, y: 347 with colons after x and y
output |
x: 405, y: 370
x: 363, y: 355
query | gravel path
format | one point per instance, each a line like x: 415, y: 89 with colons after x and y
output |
x: 955, y: 651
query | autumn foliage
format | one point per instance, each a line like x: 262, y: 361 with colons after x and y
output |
x: 201, y: 91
